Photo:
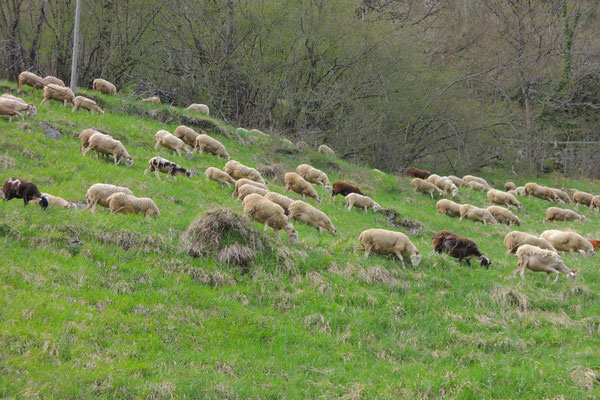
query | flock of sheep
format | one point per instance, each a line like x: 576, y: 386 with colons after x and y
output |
x: 278, y: 211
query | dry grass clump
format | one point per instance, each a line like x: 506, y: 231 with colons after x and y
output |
x: 237, y: 254
x: 317, y: 323
x: 511, y: 298
x: 377, y: 275
x: 585, y: 378
x: 7, y: 162
x: 274, y: 172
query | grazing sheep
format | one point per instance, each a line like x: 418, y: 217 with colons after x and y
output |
x: 202, y: 108
x: 170, y: 141
x: 159, y: 164
x: 121, y: 202
x: 540, y: 260
x: 187, y: 134
x: 53, y: 80
x: 246, y: 190
x: 568, y: 241
x: 541, y: 192
x: 58, y: 93
x: 503, y: 198
x: 207, y: 144
x: 471, y: 178
x: 98, y: 194
x: 360, y: 201
x: 30, y: 79
x: 504, y: 215
x: 85, y: 136
x: 304, y: 212
x: 595, y: 204
x: 238, y: 171
x: 382, y: 241
x: 476, y: 214
x: 458, y: 247
x: 561, y: 214
x: 16, y: 188
x: 324, y: 149
x: 344, y: 188
x: 11, y: 107
x: 58, y: 202
x: 313, y: 175
x: 244, y: 181
x: 418, y: 173
x: 86, y: 104
x: 433, y: 178
x: 447, y: 186
x: 513, y: 240
x: 448, y: 207
x: 478, y: 186
x: 422, y: 186
x: 11, y: 97
x: 280, y: 199
x: 521, y: 191
x: 153, y: 100
x: 266, y: 212
x: 215, y: 174
x: 457, y: 181
x: 582, y: 198
x: 104, y: 86
x: 298, y: 184
x: 258, y: 132
x: 105, y: 145
x: 563, y: 196
x: 509, y: 186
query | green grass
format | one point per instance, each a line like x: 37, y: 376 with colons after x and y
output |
x: 132, y: 316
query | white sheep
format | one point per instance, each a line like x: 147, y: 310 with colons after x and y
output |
x: 246, y: 190
x: 476, y: 214
x: 298, y: 184
x: 266, y: 212
x: 513, y: 240
x: 86, y: 104
x: 385, y: 242
x: 85, y: 136
x: 58, y: 93
x: 304, y: 212
x: 478, y: 186
x: 215, y: 174
x: 98, y: 194
x: 170, y: 141
x: 422, y: 186
x: 105, y: 145
x: 504, y: 215
x: 11, y: 107
x: 30, y: 79
x: 238, y: 170
x: 313, y: 175
x: 457, y: 181
x: 54, y: 80
x: 244, y: 181
x: 540, y: 260
x: 471, y: 178
x: 202, y: 108
x: 187, y: 134
x: 509, y: 186
x: 583, y: 198
x: 433, y: 178
x: 521, y: 191
x: 447, y: 186
x: 563, y: 196
x: 561, y: 214
x: 359, y: 201
x: 152, y: 99
x: 104, y: 86
x: 495, y: 196
x: 568, y: 241
x: 448, y: 207
x: 207, y: 144
x: 121, y: 202
x: 541, y: 192
x: 324, y: 149
x: 595, y: 204
x: 280, y: 199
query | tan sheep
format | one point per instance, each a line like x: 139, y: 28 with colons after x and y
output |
x: 360, y: 201
x: 304, y: 212
x: 563, y: 196
x: 244, y: 181
x: 471, y: 178
x: 433, y: 178
x: 280, y: 199
x: 85, y: 136
x: 104, y: 86
x: 30, y: 79
x: 582, y: 198
x: 540, y: 260
x: 11, y: 97
x: 54, y: 80
x: 478, y: 186
x: 457, y: 181
x: 509, y: 186
x: 215, y: 174
x: 266, y: 212
x: 595, y: 204
x: 324, y: 149
x: 57, y: 201
x: 11, y: 108
x: 504, y: 215
x: 153, y: 100
x: 246, y: 190
x: 170, y: 141
x: 98, y: 194
x: 313, y: 175
x: 568, y: 241
x: 86, y: 104
x: 201, y: 108
x: 239, y: 171
x: 102, y: 144
x: 207, y: 144
x: 121, y: 202
x: 503, y: 198
x: 513, y: 240
x: 447, y: 186
x: 422, y: 186
x: 448, y: 207
x: 476, y: 214
x: 382, y: 241
x: 187, y: 134
x: 561, y: 214
x: 521, y: 191
x: 58, y: 93
x: 298, y: 184
x: 541, y: 192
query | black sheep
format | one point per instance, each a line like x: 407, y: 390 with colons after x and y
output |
x: 458, y: 247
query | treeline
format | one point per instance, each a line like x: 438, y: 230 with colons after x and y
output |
x: 454, y: 85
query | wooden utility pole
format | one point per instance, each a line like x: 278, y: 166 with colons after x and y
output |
x: 75, y: 58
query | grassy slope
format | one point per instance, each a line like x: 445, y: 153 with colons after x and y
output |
x: 132, y: 316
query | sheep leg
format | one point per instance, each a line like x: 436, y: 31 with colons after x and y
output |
x: 157, y: 145
x: 365, y: 208
x: 117, y: 159
x: 320, y: 230
x: 431, y: 194
x: 367, y: 251
x: 45, y: 99
x: 266, y: 226
x: 75, y: 107
x: 96, y: 154
x: 157, y: 174
x: 399, y: 254
x: 178, y: 152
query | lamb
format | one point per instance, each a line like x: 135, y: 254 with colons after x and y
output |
x: 382, y: 241
x: 17, y: 188
x: 476, y: 214
x: 521, y: 191
x: 188, y: 135
x: 503, y: 198
x: 344, y: 188
x: 563, y: 196
x: 121, y: 202
x: 304, y: 212
x: 568, y: 241
x: 153, y: 100
x: 422, y: 186
x: 298, y: 184
x: 12, y: 107
x: 417, y: 173
x: 202, y: 108
x: 86, y: 104
x: 582, y: 198
x: 313, y: 175
x: 447, y: 186
x: 509, y: 186
x: 513, y: 240
x: 85, y: 136
x: 478, y: 186
x: 457, y: 181
x: 504, y: 215
x: 168, y: 140
x: 448, y: 207
x: 266, y: 212
x: 244, y: 181
x: 58, y: 93
x: 159, y: 164
x: 561, y: 214
x: 360, y: 201
x: 99, y: 193
x: 54, y: 80
x: 280, y: 199
x: 215, y: 174
x: 30, y: 79
x: 104, y: 86
x: 239, y: 171
x: 324, y: 149
x: 102, y: 144
x: 541, y: 192
x: 458, y: 247
x: 471, y: 178
x: 540, y: 260
x: 595, y: 204
x: 246, y: 190
x: 59, y: 202
x: 207, y: 144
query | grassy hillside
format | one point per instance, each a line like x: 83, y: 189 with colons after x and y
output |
x: 131, y: 315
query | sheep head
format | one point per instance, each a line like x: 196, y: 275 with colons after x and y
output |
x: 415, y: 259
